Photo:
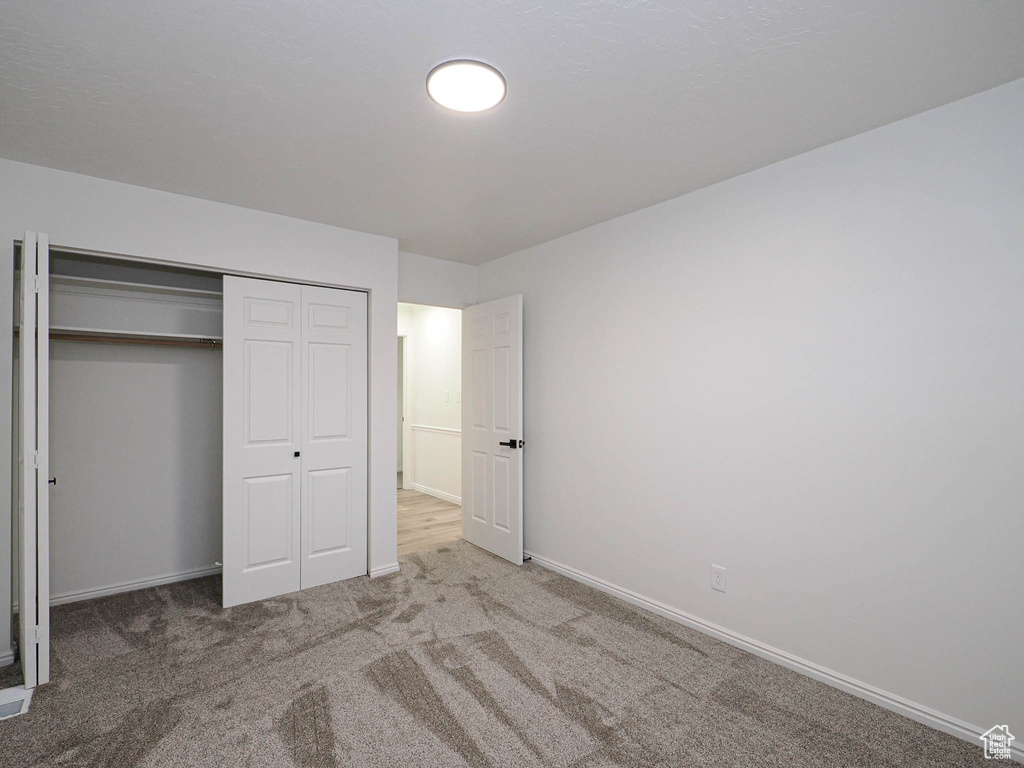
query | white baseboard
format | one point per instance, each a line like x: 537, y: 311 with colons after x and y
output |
x: 383, y: 570
x: 436, y: 493
x: 130, y: 586
x: 7, y: 658
x: 918, y: 712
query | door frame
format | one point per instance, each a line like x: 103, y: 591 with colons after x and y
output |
x: 409, y: 402
x: 408, y: 457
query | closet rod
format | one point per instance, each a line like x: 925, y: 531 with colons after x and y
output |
x: 103, y: 339
x: 98, y: 339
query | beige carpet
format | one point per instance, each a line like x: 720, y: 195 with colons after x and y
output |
x: 459, y: 659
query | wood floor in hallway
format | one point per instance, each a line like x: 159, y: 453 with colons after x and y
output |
x: 425, y: 522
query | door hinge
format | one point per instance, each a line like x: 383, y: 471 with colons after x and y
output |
x: 35, y: 284
x: 33, y: 460
x: 34, y: 635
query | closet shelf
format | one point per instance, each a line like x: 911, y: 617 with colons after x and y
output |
x: 131, y: 334
x: 120, y: 285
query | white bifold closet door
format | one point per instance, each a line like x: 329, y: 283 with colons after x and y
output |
x: 295, y: 439
x: 334, y: 438
x: 33, y: 459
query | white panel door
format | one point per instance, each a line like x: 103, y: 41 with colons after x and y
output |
x: 262, y: 438
x: 334, y: 432
x: 492, y: 427
x: 33, y: 460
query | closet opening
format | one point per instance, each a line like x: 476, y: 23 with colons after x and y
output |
x: 135, y: 375
x: 174, y: 423
x: 132, y: 387
x: 430, y: 427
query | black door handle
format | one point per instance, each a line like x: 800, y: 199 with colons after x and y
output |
x: 52, y: 481
x: 513, y: 444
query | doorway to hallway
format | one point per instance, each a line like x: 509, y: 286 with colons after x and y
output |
x: 429, y: 468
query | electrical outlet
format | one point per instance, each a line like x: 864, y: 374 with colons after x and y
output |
x: 718, y: 578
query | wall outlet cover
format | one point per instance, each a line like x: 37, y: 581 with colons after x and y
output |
x: 718, y: 580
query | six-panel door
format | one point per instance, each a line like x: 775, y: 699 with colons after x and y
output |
x: 492, y: 414
x: 262, y: 438
x: 295, y: 448
x: 334, y: 446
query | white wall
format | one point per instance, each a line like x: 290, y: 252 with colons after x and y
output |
x: 433, y: 336
x: 426, y: 280
x: 840, y: 423
x: 87, y: 213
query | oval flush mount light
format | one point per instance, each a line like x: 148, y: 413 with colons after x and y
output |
x: 466, y: 86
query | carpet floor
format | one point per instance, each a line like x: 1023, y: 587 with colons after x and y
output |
x: 459, y: 659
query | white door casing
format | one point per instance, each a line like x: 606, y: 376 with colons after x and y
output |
x: 492, y: 413
x: 262, y: 439
x: 33, y: 460
x: 334, y: 435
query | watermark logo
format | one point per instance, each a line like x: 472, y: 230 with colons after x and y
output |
x: 997, y: 740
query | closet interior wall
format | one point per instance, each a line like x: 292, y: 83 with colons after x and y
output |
x: 135, y: 425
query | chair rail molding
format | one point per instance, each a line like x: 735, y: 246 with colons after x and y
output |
x: 439, y: 430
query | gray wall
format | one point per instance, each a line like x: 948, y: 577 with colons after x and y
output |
x: 135, y: 445
x: 812, y: 375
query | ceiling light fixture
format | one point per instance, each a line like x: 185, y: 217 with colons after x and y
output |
x: 466, y: 86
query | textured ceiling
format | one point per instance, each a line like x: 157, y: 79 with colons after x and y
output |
x: 317, y: 108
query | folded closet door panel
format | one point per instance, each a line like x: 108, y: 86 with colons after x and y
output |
x: 262, y: 438
x: 43, y: 459
x: 33, y: 460
x: 334, y: 438
x: 27, y: 462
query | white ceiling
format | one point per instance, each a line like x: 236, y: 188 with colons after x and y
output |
x: 317, y: 108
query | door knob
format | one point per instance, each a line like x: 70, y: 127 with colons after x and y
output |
x: 513, y: 444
